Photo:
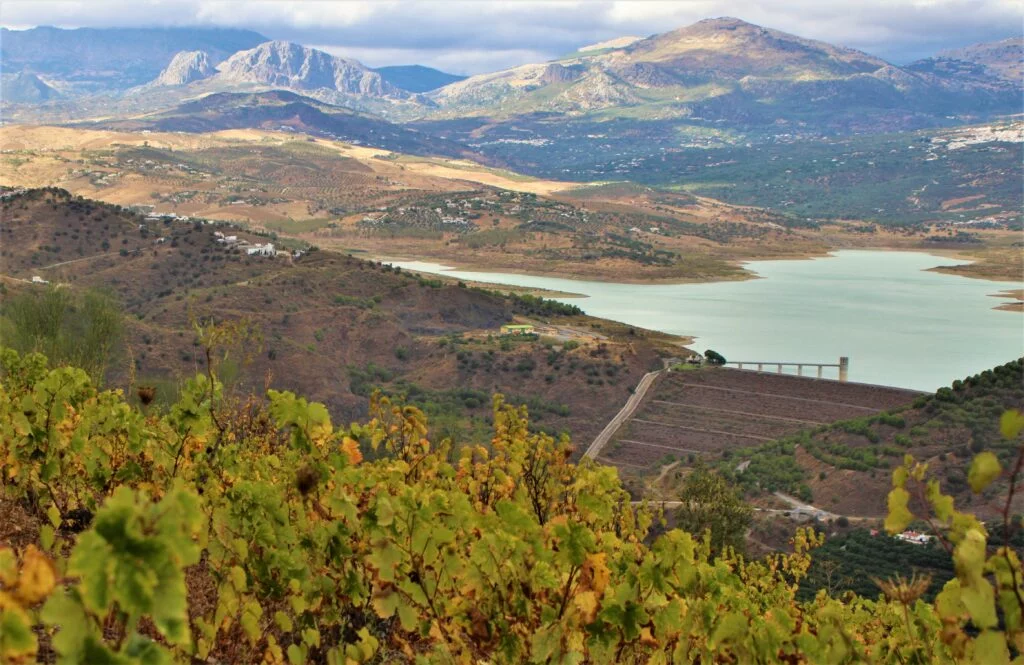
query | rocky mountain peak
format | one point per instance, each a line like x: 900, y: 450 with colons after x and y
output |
x: 186, y: 67
x: 289, y: 65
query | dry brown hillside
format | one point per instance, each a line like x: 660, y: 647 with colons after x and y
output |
x: 331, y: 326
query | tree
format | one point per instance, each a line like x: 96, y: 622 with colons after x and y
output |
x: 714, y: 357
x: 710, y: 503
x: 80, y: 329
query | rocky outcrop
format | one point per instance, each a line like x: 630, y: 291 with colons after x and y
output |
x: 186, y: 67
x: 281, y: 64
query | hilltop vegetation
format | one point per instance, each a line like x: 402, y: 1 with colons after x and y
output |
x: 255, y: 531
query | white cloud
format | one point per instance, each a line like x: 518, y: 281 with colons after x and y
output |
x: 474, y: 36
x: 460, y: 61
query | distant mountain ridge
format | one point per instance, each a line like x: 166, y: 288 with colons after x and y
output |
x: 26, y: 88
x: 1003, y: 58
x: 96, y: 59
x: 417, y: 78
x: 743, y: 78
x: 284, y: 110
x: 724, y: 66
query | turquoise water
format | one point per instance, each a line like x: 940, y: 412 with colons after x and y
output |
x: 899, y: 325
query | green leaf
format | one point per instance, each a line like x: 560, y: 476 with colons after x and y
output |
x: 46, y: 537
x: 283, y: 621
x: 238, y: 578
x: 984, y: 469
x: 990, y: 649
x: 408, y: 616
x: 1011, y: 424
x: 54, y: 516
x: 17, y: 641
x: 730, y: 628
x: 296, y: 656
x: 899, y: 515
x: 980, y: 602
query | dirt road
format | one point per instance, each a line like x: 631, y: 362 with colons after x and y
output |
x: 631, y: 405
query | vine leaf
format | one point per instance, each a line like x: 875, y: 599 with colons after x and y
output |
x: 984, y: 469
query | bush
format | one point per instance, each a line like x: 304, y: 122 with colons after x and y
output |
x: 220, y: 531
x: 714, y: 358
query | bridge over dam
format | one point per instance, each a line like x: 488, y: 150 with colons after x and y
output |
x: 702, y: 412
x: 842, y: 367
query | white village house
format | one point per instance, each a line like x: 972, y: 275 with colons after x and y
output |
x: 261, y: 250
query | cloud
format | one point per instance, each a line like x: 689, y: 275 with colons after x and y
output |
x: 474, y: 36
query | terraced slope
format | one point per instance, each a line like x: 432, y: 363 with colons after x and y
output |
x: 708, y: 412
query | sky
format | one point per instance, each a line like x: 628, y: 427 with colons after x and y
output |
x: 468, y: 37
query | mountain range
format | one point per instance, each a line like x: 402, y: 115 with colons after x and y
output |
x: 92, y: 60
x: 721, y: 67
x: 720, y: 76
x: 282, y: 110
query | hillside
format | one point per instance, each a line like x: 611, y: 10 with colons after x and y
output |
x: 391, y: 204
x: 1003, y: 58
x: 325, y: 323
x: 844, y: 467
x: 283, y: 110
x: 23, y: 88
x: 880, y: 174
x: 417, y: 78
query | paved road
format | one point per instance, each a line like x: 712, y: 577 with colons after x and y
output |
x: 631, y: 405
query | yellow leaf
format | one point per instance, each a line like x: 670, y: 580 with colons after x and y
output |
x: 899, y: 515
x: 595, y: 573
x: 350, y: 447
x: 984, y: 469
x: 1011, y: 423
x: 38, y: 576
x: 586, y: 603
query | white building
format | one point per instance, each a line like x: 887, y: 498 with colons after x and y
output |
x: 914, y: 538
x: 262, y: 250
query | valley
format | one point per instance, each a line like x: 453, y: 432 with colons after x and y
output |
x: 384, y: 204
x: 312, y: 353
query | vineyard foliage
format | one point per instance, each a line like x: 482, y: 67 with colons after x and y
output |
x: 222, y: 530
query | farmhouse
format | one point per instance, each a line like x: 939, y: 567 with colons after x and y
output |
x: 523, y: 329
x: 914, y: 538
x: 261, y: 250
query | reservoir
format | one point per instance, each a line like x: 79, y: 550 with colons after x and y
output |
x: 899, y: 324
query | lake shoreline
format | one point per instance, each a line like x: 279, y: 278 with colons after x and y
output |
x: 746, y: 275
x: 855, y: 303
x: 884, y: 310
x: 1016, y: 298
